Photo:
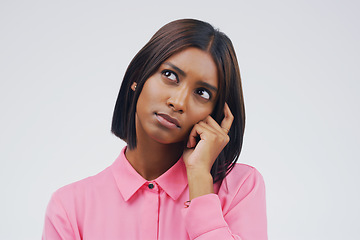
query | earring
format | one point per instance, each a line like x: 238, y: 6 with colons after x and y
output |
x: 133, y: 86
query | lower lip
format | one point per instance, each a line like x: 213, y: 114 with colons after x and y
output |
x: 165, y: 122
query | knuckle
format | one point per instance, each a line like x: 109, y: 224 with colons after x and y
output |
x: 201, y: 123
x: 213, y: 136
x: 226, y: 139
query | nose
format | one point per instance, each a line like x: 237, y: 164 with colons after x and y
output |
x: 178, y: 99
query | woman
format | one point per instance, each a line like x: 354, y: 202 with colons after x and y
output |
x: 180, y: 110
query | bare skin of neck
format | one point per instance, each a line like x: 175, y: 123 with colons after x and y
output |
x: 151, y: 159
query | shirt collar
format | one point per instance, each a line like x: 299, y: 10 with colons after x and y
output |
x: 129, y: 181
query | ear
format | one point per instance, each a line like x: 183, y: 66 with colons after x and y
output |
x: 133, y: 86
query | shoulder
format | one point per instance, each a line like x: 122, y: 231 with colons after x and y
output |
x: 82, y: 188
x: 241, y: 174
x: 244, y: 181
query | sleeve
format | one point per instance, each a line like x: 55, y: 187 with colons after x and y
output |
x: 57, y: 224
x: 244, y: 217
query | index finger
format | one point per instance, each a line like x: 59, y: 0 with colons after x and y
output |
x: 228, y: 119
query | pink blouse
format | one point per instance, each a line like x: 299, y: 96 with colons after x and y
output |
x: 118, y: 203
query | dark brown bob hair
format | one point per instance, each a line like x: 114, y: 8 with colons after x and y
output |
x: 168, y: 40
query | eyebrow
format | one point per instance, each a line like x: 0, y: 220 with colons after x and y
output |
x: 204, y: 84
x: 176, y: 68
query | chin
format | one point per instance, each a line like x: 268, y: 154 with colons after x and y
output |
x: 167, y: 140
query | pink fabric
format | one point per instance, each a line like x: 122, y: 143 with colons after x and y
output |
x: 118, y: 203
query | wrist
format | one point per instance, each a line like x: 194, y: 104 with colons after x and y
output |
x: 198, y: 169
x: 200, y: 183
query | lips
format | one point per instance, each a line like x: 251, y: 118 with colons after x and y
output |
x: 167, y: 121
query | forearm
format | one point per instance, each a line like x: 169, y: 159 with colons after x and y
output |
x: 237, y: 211
x: 200, y: 183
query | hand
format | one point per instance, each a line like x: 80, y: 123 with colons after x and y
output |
x: 201, y: 156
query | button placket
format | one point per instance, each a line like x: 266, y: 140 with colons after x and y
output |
x: 150, y: 227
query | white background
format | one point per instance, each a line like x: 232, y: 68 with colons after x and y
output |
x: 61, y: 66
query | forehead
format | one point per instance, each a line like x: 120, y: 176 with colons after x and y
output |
x: 196, y: 64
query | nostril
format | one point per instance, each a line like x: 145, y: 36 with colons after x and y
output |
x: 175, y: 105
x: 172, y: 106
x: 175, y: 109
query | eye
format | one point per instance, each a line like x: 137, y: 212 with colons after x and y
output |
x: 203, y: 93
x: 170, y: 75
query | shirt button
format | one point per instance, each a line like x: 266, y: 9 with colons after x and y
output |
x: 151, y: 185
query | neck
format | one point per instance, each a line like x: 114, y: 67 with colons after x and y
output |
x: 151, y: 159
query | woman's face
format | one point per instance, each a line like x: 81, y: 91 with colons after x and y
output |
x: 178, y: 95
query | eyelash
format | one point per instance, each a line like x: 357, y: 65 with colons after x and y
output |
x: 204, y: 90
x: 164, y: 72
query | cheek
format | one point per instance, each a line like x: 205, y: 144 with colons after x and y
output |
x: 147, y: 94
x: 199, y: 115
x: 151, y: 90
